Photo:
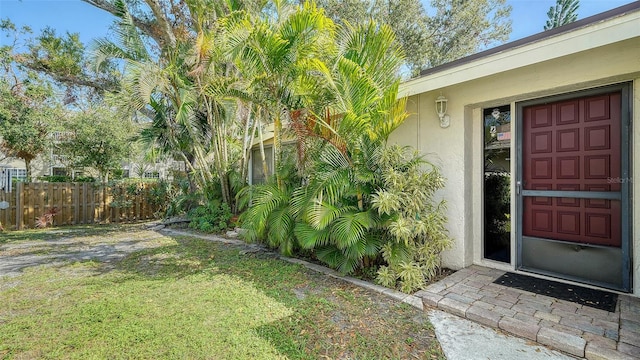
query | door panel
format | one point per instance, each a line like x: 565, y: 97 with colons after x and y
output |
x: 573, y: 187
x: 570, y: 150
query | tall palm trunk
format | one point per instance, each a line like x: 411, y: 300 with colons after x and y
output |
x: 246, y: 144
x: 265, y: 167
x: 277, y: 149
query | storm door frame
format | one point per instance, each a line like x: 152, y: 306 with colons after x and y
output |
x: 625, y: 192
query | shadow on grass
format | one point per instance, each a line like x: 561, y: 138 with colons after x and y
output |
x: 243, y: 299
x: 330, y: 318
x: 52, y: 234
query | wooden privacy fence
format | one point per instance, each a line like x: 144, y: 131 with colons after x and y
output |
x: 76, y: 203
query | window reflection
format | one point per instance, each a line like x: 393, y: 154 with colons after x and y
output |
x: 497, y: 178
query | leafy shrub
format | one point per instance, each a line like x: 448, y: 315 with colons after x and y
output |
x: 172, y: 198
x: 117, y: 174
x: 213, y: 217
x: 65, y: 178
x: 55, y: 178
x: 414, y: 221
x: 336, y: 219
x: 269, y: 217
x: 84, y: 179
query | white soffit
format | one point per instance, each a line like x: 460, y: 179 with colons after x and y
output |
x: 592, y: 36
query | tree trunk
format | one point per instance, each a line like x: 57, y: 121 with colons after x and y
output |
x: 265, y: 167
x: 27, y: 164
x: 193, y: 186
x: 277, y: 144
x: 246, y: 145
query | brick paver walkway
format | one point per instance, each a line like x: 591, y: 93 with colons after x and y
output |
x: 566, y: 326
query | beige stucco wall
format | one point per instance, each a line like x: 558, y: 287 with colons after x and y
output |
x: 38, y: 167
x: 458, y: 149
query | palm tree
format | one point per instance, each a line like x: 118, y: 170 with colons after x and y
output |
x: 191, y: 90
x: 283, y: 56
x: 350, y: 114
x: 564, y: 12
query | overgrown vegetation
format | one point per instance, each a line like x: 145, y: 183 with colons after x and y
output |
x: 207, y: 76
x: 213, y: 217
x: 354, y: 211
x: 414, y: 220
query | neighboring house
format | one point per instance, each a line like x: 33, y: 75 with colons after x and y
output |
x: 53, y: 163
x: 158, y: 170
x: 17, y: 168
x: 256, y: 167
x: 558, y: 114
x: 50, y: 163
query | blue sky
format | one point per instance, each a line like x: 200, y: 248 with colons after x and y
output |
x: 528, y: 16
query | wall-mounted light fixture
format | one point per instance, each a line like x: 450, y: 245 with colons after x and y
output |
x: 441, y: 109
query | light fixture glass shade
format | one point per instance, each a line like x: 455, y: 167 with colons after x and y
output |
x: 441, y: 109
x: 441, y: 105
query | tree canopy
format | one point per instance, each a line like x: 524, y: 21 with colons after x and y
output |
x: 445, y: 31
x: 97, y: 138
x: 564, y: 12
x: 28, y: 113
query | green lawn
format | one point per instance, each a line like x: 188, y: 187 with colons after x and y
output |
x: 185, y: 298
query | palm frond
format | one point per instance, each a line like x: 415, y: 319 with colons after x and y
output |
x: 280, y: 230
x: 309, y: 237
x: 321, y: 214
x: 337, y: 260
x: 349, y: 228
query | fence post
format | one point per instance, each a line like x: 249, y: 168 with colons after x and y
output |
x: 19, y: 205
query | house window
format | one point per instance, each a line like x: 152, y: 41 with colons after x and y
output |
x: 258, y: 175
x: 18, y: 174
x: 151, y: 175
x: 59, y: 171
x: 497, y: 180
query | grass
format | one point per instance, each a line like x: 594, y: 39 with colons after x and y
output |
x: 188, y: 298
x: 60, y: 233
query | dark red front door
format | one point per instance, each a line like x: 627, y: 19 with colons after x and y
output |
x: 573, y: 187
x: 569, y: 148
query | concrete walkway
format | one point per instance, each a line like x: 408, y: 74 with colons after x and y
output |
x: 462, y: 339
x: 578, y: 330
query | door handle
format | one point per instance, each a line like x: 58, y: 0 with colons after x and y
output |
x: 518, y: 187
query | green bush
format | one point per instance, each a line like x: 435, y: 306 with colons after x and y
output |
x: 414, y: 219
x: 84, y: 179
x: 55, y: 178
x: 65, y: 178
x: 213, y: 217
